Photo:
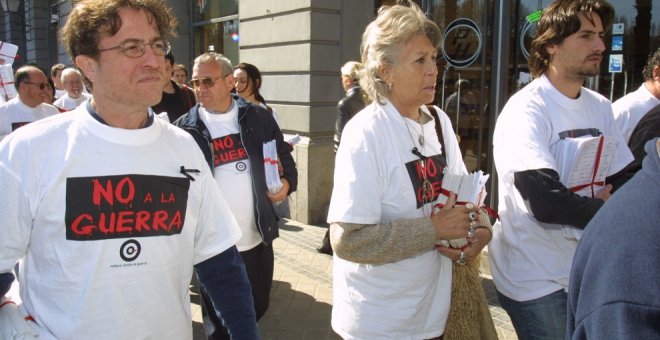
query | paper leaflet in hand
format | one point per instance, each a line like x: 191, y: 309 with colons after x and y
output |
x: 583, y: 163
x: 8, y: 52
x: 293, y: 140
x: 469, y: 188
x: 7, y: 88
x: 13, y: 324
x: 271, y: 167
x: 7, y: 55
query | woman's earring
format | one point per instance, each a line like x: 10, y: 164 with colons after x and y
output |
x: 389, y: 86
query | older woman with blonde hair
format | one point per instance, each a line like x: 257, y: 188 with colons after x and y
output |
x: 388, y: 279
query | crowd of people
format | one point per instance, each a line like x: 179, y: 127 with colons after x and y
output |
x: 123, y: 178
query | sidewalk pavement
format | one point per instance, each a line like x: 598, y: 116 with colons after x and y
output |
x: 301, y: 296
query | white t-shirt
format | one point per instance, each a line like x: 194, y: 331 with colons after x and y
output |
x: 530, y: 259
x: 108, y: 226
x: 59, y: 93
x: 407, y: 299
x: 631, y: 108
x: 232, y: 171
x: 67, y: 103
x: 14, y: 114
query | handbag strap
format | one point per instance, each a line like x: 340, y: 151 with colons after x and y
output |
x: 438, y: 129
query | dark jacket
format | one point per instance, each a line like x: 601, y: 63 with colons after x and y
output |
x: 647, y: 129
x: 176, y: 104
x: 615, y: 278
x: 257, y: 126
x: 346, y: 109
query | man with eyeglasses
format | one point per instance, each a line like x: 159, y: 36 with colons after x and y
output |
x: 32, y: 86
x: 231, y: 133
x: 110, y: 209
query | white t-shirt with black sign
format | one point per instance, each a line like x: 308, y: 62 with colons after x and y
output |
x: 232, y: 171
x: 529, y: 259
x: 407, y: 299
x: 631, y: 108
x: 15, y: 114
x: 108, y: 225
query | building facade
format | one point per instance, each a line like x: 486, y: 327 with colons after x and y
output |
x: 299, y: 46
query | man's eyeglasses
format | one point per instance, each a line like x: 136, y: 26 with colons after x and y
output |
x: 134, y: 48
x: 41, y: 85
x: 208, y: 81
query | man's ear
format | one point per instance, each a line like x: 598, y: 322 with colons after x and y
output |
x: 229, y: 81
x: 87, y: 66
x: 655, y: 73
x: 551, y: 50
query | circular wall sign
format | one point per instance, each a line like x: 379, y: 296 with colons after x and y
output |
x: 461, y: 42
x: 528, y: 29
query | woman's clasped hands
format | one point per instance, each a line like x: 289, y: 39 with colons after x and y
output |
x: 454, y: 221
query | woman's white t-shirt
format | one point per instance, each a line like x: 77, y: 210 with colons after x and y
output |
x: 407, y: 299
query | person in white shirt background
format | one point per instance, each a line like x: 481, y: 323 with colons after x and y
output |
x: 73, y: 85
x: 630, y: 109
x: 56, y: 76
x: 32, y: 87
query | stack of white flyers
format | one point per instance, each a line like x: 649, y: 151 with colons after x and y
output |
x: 12, y: 323
x: 271, y: 167
x: 470, y: 188
x: 7, y: 88
x: 293, y: 140
x: 583, y: 164
x: 7, y: 55
x: 8, y: 52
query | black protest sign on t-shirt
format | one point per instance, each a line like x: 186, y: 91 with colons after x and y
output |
x: 426, y: 176
x: 228, y: 149
x: 110, y: 207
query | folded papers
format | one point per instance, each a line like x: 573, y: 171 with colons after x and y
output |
x: 13, y: 325
x: 583, y: 163
x: 470, y: 188
x: 7, y: 88
x: 272, y: 167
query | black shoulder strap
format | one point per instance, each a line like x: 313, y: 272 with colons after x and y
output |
x: 438, y: 130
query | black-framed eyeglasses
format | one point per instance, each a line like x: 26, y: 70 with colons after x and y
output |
x: 206, y: 81
x: 134, y: 48
x: 41, y: 85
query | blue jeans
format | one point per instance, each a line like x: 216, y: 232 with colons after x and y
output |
x: 539, y: 319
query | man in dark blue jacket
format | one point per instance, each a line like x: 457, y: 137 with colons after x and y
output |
x: 615, y: 278
x: 232, y: 134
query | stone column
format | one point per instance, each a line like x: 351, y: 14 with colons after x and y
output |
x: 299, y: 46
